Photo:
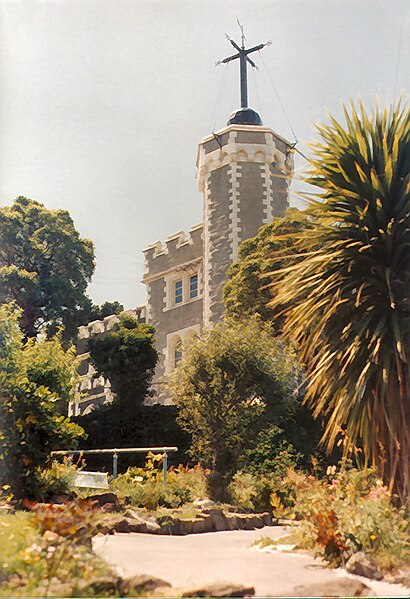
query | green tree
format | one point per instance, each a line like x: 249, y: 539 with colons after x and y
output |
x: 348, y: 299
x: 34, y: 383
x: 127, y: 356
x: 91, y: 311
x: 45, y: 266
x: 230, y: 384
x: 248, y: 289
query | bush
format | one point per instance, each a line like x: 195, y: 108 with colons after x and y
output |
x: 351, y: 510
x: 48, y: 552
x: 145, y: 488
x: 251, y: 492
x: 57, y: 479
x: 31, y: 423
x: 272, y: 454
x: 232, y: 383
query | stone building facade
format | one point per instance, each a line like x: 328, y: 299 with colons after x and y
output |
x: 92, y: 390
x: 243, y: 173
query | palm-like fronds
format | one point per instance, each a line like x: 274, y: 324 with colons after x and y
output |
x: 349, y: 296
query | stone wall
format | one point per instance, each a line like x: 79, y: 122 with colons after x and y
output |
x: 95, y: 391
x: 179, y: 258
x: 244, y: 174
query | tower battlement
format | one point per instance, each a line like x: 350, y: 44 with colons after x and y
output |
x: 180, y: 248
x: 242, y: 143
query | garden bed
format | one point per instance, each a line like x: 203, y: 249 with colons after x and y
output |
x: 175, y: 523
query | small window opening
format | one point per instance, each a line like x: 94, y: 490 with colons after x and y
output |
x: 178, y: 291
x: 193, y: 286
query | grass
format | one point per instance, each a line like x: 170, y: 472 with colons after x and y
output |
x: 186, y: 512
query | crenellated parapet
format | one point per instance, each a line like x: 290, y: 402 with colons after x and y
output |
x: 236, y: 143
x: 93, y: 390
x: 178, y: 250
x: 105, y: 325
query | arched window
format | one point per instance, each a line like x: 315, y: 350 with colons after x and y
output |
x: 177, y: 352
x: 190, y: 336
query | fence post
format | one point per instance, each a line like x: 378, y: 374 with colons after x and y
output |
x: 115, y: 464
x: 164, y: 467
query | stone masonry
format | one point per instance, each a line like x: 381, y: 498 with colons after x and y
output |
x: 243, y: 173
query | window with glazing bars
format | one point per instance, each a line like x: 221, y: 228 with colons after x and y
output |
x: 178, y: 292
x: 193, y: 286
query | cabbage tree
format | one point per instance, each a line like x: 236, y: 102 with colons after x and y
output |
x: 348, y: 298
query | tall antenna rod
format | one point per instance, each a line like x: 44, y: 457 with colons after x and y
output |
x: 242, y: 54
x: 242, y: 33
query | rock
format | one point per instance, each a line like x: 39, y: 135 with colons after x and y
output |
x: 253, y: 521
x: 362, y: 565
x: 172, y: 526
x: 218, y: 517
x: 141, y: 525
x: 402, y: 577
x: 104, y: 528
x: 203, y: 503
x: 220, y: 590
x: 202, y: 524
x: 143, y: 514
x: 211, y: 511
x: 337, y: 587
x: 232, y: 521
x: 118, y: 525
x: 266, y: 518
x: 105, y: 498
x: 151, y: 528
x: 103, y: 584
x: 142, y: 584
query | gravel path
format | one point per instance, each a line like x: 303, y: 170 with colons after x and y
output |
x: 194, y: 560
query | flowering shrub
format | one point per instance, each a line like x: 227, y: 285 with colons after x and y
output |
x: 57, y: 479
x: 145, y: 488
x: 275, y: 493
x: 250, y: 492
x: 48, y: 550
x: 351, y: 510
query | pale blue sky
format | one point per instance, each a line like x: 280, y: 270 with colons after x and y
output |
x: 103, y: 102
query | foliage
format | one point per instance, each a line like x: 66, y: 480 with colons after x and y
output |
x: 30, y: 418
x: 272, y: 453
x: 47, y: 364
x: 45, y: 266
x: 231, y: 383
x: 91, y: 311
x: 49, y: 551
x: 57, y: 479
x: 250, y: 492
x: 149, y: 426
x: 247, y: 291
x: 127, y: 356
x: 16, y: 532
x: 347, y: 300
x: 274, y: 491
x: 350, y: 510
x: 145, y: 488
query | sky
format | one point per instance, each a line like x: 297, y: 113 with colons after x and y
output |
x: 103, y: 103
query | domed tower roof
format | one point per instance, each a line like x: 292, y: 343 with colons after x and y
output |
x: 245, y: 116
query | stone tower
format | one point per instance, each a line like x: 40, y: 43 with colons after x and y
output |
x: 244, y: 172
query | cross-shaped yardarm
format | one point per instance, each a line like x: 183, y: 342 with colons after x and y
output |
x: 242, y: 54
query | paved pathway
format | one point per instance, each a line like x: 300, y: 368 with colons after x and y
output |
x: 193, y: 560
